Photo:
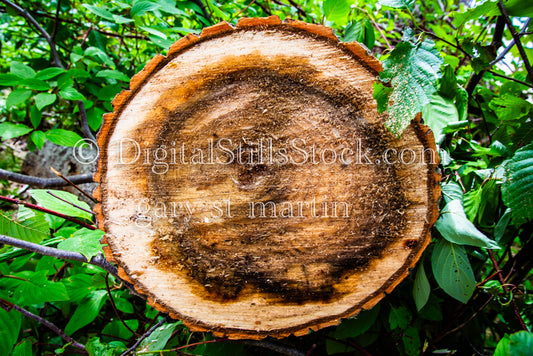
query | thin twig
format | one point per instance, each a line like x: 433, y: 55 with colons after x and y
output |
x: 71, y: 183
x: 42, y: 31
x: 8, y: 306
x: 511, y: 44
x: 84, y: 122
x: 44, y: 182
x: 70, y: 203
x: 114, y: 306
x: 144, y: 336
x: 56, y: 20
x: 510, y: 78
x: 48, y: 211
x: 516, y: 38
x: 506, y: 290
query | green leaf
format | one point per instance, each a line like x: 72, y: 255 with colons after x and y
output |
x: 38, y: 289
x: 44, y: 99
x: 519, y: 8
x: 455, y: 227
x: 517, y: 344
x: 501, y: 226
x: 399, y: 317
x: 517, y: 192
x: 50, y: 202
x: 398, y: 4
x: 159, y: 338
x: 336, y: 11
x: 153, y: 31
x: 488, y: 8
x: 421, y: 288
x: 413, y: 70
x: 139, y: 8
x: 63, y: 137
x: 381, y: 94
x: 100, y: 11
x: 23, y: 349
x: 461, y: 101
x: 84, y: 241
x: 86, y: 311
x: 9, y: 79
x: 22, y: 70
x: 509, y: 107
x: 17, y: 97
x: 411, y: 341
x: 69, y: 93
x: 113, y: 74
x: 39, y: 138
x: 97, y: 348
x: 438, y: 114
x: 35, y: 116
x: 117, y: 329
x: 357, y: 325
x: 361, y: 31
x: 49, y: 73
x: 10, y: 323
x: 35, y: 84
x: 451, y: 191
x: 79, y: 286
x: 448, y: 83
x: 452, y: 270
x: 9, y: 130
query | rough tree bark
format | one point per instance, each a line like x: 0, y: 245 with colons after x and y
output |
x: 249, y: 187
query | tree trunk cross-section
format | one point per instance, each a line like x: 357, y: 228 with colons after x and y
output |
x: 248, y: 185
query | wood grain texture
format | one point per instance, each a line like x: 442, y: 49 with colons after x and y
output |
x: 249, y: 187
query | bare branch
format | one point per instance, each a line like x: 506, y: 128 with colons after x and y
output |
x: 42, y: 31
x: 8, y: 306
x: 44, y: 182
x: 144, y: 336
x: 84, y: 123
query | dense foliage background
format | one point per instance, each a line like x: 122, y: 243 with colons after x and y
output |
x: 465, y: 65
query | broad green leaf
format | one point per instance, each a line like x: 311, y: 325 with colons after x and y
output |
x: 517, y: 344
x: 438, y: 114
x: 461, y: 101
x: 488, y: 8
x: 336, y: 11
x: 399, y: 317
x: 86, y: 311
x: 121, y: 19
x: 117, y: 329
x: 159, y: 338
x: 9, y: 130
x: 44, y: 99
x: 50, y: 202
x: 113, y: 74
x: 35, y: 116
x: 509, y: 107
x: 517, y: 188
x: 69, y: 93
x: 501, y: 226
x: 35, y: 84
x: 99, y: 11
x: 22, y: 70
x: 29, y: 228
x: 471, y: 203
x: 451, y: 191
x: 452, y: 270
x: 95, y: 118
x: 10, y: 323
x: 361, y: 31
x: 79, y: 286
x: 455, y: 227
x: 49, y: 73
x: 421, y: 288
x: 411, y: 341
x: 38, y: 138
x: 9, y: 79
x: 38, y: 289
x: 139, y: 8
x: 381, y: 94
x: 448, y: 83
x: 84, y: 241
x: 398, y: 4
x: 63, y: 137
x: 357, y: 325
x: 519, y: 8
x: 17, y: 97
x: 413, y: 70
x: 23, y: 349
x: 153, y: 31
x: 100, y: 55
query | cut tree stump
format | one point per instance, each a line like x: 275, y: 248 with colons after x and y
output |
x: 248, y: 185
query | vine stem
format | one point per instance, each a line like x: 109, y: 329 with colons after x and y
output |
x: 506, y: 290
x: 10, y: 306
x: 48, y: 211
x: 44, y: 182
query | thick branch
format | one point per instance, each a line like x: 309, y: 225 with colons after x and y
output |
x: 8, y: 306
x: 42, y: 31
x: 45, y: 182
